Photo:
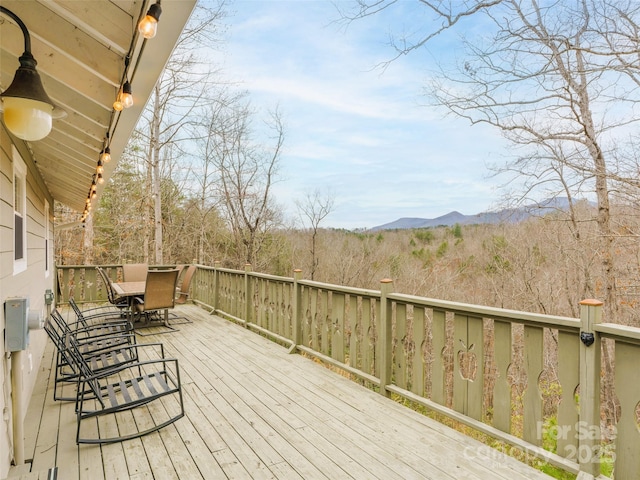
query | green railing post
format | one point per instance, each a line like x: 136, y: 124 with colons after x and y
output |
x: 216, y: 284
x: 248, y: 300
x: 385, y: 336
x: 590, y: 368
x: 296, y: 321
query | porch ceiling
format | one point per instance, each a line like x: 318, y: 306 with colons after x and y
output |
x: 80, y: 47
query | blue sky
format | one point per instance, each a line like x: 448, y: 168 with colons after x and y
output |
x: 361, y: 133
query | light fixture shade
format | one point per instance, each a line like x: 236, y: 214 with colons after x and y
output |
x: 27, y: 119
x: 148, y: 26
x: 27, y: 107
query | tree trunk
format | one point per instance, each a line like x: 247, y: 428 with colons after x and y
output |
x: 156, y: 188
x: 88, y: 241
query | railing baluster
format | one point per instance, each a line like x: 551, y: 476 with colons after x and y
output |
x: 628, y: 392
x: 367, y: 345
x: 502, y: 344
x: 313, y: 309
x: 324, y: 321
x: 475, y: 351
x: 569, y: 378
x: 400, y: 362
x: 532, y: 399
x: 297, y: 309
x: 385, y: 336
x: 216, y: 285
x: 354, y: 331
x: 419, y: 339
x: 438, y: 369
x: 338, y: 326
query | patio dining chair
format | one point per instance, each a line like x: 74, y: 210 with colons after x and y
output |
x: 121, y: 303
x: 159, y: 296
x: 182, y: 293
x: 134, y: 272
x: 185, y: 286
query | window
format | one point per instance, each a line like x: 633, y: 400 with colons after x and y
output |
x: 19, y: 213
x: 46, y: 239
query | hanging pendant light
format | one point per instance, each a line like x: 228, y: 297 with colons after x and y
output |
x: 27, y: 109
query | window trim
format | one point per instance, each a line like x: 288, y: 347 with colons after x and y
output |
x: 47, y: 241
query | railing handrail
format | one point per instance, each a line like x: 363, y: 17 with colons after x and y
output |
x: 622, y: 333
x: 496, y: 313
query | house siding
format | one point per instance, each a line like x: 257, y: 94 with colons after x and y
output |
x: 31, y: 283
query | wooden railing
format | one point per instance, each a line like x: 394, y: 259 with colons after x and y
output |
x: 83, y: 284
x: 497, y: 371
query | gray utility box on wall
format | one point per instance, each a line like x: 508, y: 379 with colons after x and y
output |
x: 16, y: 312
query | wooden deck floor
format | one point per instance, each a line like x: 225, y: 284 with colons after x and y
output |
x: 255, y: 412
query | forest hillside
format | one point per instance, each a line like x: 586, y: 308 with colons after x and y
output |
x: 537, y: 265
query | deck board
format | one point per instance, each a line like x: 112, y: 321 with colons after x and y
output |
x: 253, y: 411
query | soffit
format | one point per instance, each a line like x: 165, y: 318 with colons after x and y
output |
x: 80, y: 47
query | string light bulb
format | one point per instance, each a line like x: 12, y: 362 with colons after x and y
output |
x: 148, y: 26
x: 105, y: 155
x: 100, y: 179
x: 127, y: 95
x: 100, y: 168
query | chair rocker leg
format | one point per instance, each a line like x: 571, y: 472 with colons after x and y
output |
x: 102, y: 441
x: 93, y: 415
x: 63, y: 378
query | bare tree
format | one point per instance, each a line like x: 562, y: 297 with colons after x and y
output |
x: 180, y: 91
x: 560, y: 81
x: 219, y: 121
x: 313, y: 209
x: 246, y: 171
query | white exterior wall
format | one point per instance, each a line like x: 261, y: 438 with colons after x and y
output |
x: 31, y: 282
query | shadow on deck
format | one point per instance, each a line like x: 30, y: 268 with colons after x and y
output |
x: 252, y: 412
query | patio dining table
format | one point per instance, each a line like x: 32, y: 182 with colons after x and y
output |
x: 130, y: 290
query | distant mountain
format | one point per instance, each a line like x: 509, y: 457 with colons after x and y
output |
x: 508, y: 215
